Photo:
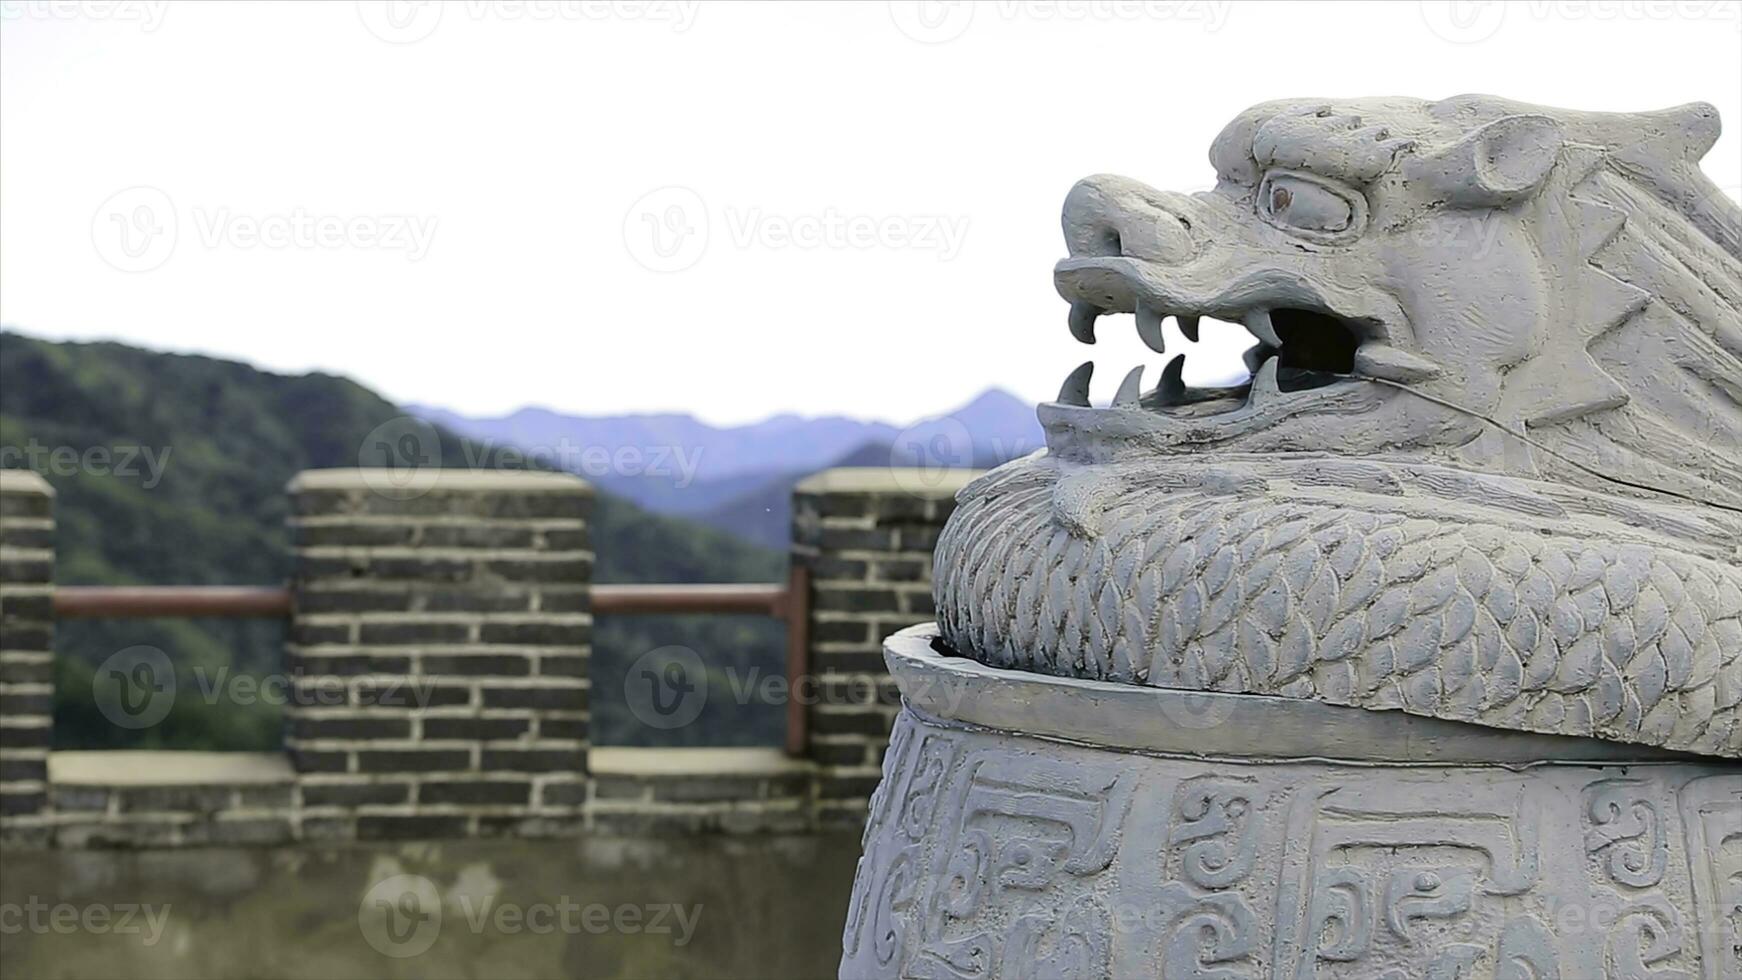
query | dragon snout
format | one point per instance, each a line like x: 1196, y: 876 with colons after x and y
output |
x: 1107, y: 215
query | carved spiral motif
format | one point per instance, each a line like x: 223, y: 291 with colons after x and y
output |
x: 1354, y: 603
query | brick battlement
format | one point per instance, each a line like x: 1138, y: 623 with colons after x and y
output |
x: 439, y: 648
x: 867, y: 535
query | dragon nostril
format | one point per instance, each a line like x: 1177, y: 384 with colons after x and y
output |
x: 1110, y: 241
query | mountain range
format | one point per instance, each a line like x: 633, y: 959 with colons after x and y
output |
x: 739, y: 478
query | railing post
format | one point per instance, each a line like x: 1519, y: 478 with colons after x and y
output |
x: 440, y: 640
x: 796, y: 610
x: 26, y: 652
x: 865, y: 539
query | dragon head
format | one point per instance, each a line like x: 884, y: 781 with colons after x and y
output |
x: 1488, y: 467
x: 1495, y: 286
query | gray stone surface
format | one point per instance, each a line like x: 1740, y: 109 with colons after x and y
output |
x: 1417, y: 655
x: 994, y: 853
x: 1489, y: 467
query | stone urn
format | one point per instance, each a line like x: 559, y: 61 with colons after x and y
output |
x: 1417, y: 655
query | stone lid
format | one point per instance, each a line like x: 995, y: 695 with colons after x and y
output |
x: 655, y: 761
x: 451, y: 480
x: 1208, y: 724
x: 887, y: 479
x: 167, y: 768
x: 24, y: 481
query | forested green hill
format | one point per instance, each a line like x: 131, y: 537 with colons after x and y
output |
x: 171, y: 470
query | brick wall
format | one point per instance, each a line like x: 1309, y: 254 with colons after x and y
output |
x: 26, y: 645
x: 172, y: 799
x: 440, y: 649
x: 438, y: 654
x: 867, y: 535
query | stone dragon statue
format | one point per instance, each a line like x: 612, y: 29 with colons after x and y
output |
x: 1488, y: 467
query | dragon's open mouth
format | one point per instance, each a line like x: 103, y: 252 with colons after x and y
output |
x: 1298, y: 350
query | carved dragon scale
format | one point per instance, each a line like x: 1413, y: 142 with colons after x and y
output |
x: 1488, y: 467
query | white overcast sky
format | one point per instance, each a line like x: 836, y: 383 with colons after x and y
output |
x: 482, y: 207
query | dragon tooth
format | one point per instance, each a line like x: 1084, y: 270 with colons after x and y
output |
x: 1076, y: 386
x: 1259, y: 325
x: 1173, y: 385
x: 1255, y: 356
x: 1129, y: 389
x: 1188, y: 326
x: 1264, y: 386
x: 1390, y: 363
x: 1083, y: 321
x: 1149, y: 327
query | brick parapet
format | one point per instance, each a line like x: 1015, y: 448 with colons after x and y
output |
x: 867, y: 536
x: 26, y: 651
x: 440, y: 648
x: 439, y: 651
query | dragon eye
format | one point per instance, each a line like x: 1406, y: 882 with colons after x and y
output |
x: 1295, y: 203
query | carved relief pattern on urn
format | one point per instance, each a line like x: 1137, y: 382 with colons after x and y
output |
x: 989, y: 860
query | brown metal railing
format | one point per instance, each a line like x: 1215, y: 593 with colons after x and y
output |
x: 789, y: 603
x: 157, y: 601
